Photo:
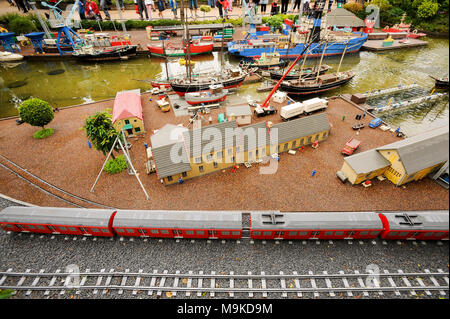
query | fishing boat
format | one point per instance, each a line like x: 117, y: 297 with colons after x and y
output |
x: 215, y: 94
x: 403, y: 27
x: 229, y: 78
x: 170, y: 50
x: 267, y: 61
x: 441, y: 82
x: 312, y: 86
x: 89, y: 53
x: 294, y: 74
x: 6, y: 56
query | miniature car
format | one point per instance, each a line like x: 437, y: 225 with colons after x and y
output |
x: 375, y: 122
x: 351, y: 145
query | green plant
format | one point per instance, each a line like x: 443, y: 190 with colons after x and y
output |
x: 36, y: 112
x: 100, y: 131
x: 427, y: 9
x: 45, y: 132
x: 5, y: 294
x: 21, y: 25
x: 353, y: 7
x: 117, y: 165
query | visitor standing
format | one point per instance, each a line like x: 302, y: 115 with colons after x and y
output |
x: 174, y: 6
x: 81, y: 9
x: 122, y: 7
x: 161, y: 8
x: 255, y: 6
x: 149, y: 5
x: 297, y: 5
x: 104, y: 7
x: 21, y: 6
x: 263, y: 4
x: 92, y: 11
x: 193, y: 6
x: 219, y: 4
x: 284, y: 6
x: 212, y: 3
x: 275, y: 8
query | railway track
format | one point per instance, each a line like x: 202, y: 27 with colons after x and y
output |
x: 47, y: 187
x: 190, y: 284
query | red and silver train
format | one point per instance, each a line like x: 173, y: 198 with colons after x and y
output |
x: 421, y: 225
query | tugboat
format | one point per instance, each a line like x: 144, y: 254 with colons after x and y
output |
x: 88, y: 53
x: 196, y: 47
x: 267, y: 61
x: 215, y: 94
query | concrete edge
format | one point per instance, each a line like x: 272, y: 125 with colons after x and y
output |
x: 16, y: 200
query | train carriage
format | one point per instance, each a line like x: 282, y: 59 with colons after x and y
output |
x: 421, y: 225
x: 324, y: 225
x: 56, y: 220
x: 179, y: 224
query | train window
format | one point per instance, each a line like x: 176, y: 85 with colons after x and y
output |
x: 394, y: 233
x: 292, y: 233
x: 51, y: 228
x: 439, y: 234
x: 164, y: 231
x: 339, y: 233
x: 31, y: 227
x: 40, y: 227
x: 72, y: 229
x: 256, y: 233
x: 8, y: 226
x: 403, y: 233
x: 267, y: 233
x: 315, y: 233
x: 429, y: 234
x: 154, y: 231
x: 129, y: 230
x: 119, y: 230
x: 235, y: 233
x: 62, y: 228
x: 364, y: 232
x: 226, y: 233
x: 302, y: 233
x: 189, y: 232
x: 83, y: 229
x: 200, y: 232
x: 104, y: 230
x: 95, y: 230
x: 374, y: 233
x: 328, y: 233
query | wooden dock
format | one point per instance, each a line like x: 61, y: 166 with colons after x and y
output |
x: 377, y: 45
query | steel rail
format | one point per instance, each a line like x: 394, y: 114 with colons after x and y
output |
x: 50, y: 185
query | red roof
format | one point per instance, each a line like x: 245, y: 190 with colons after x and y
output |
x: 127, y: 104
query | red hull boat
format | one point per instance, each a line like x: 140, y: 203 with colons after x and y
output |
x: 196, y: 47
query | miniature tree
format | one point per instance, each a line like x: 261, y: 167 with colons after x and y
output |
x: 101, y: 132
x: 37, y: 112
x: 205, y: 8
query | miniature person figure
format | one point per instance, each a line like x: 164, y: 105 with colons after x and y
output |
x: 343, y: 118
x: 275, y: 8
x: 314, y: 172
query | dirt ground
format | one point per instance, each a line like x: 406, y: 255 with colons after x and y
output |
x: 65, y: 160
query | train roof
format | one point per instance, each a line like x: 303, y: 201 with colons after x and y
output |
x: 313, y: 221
x: 179, y: 219
x: 418, y: 220
x: 56, y: 216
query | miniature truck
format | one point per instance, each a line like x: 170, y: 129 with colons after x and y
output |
x: 263, y: 111
x: 306, y: 107
x: 351, y: 145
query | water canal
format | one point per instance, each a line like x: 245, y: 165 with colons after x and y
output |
x: 66, y: 83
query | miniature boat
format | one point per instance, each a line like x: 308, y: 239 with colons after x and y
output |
x: 182, y: 61
x: 323, y: 83
x: 229, y: 78
x: 88, y: 53
x: 293, y: 75
x: 215, y: 94
x: 415, y: 34
x: 169, y: 50
x: 267, y: 60
x: 441, y: 83
x: 160, y: 84
x: 6, y: 56
x: 358, y: 126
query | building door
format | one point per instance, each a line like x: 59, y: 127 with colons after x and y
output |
x: 130, y: 131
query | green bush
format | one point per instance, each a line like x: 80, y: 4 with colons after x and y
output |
x: 353, y: 7
x: 45, y: 132
x: 21, y: 25
x: 117, y: 165
x: 36, y: 112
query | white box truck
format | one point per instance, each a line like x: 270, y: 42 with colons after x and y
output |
x: 314, y: 105
x: 291, y: 110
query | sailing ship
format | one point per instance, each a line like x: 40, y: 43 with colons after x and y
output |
x: 196, y: 47
x: 89, y: 53
x: 294, y: 74
x: 215, y: 94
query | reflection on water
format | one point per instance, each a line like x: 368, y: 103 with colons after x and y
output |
x: 65, y: 83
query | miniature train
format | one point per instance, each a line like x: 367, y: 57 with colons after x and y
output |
x: 421, y: 225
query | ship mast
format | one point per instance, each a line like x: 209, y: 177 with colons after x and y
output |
x: 321, y: 59
x: 186, y: 41
x: 342, y: 57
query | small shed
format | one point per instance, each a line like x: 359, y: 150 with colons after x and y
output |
x: 127, y: 112
x: 242, y: 114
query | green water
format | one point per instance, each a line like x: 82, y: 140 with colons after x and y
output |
x: 86, y: 82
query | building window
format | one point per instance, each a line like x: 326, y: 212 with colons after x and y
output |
x: 256, y: 152
x: 169, y: 178
x: 198, y: 160
x: 230, y: 151
x: 309, y: 139
x: 209, y: 157
x: 137, y: 129
x: 135, y: 121
x: 200, y: 168
x: 184, y: 174
x: 324, y: 135
x: 301, y: 141
x: 219, y: 155
x: 294, y: 144
x: 127, y: 122
x: 286, y: 146
x: 317, y: 137
x: 232, y: 159
x: 215, y: 165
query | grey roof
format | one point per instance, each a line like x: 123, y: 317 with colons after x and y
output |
x: 238, y: 110
x: 171, y: 159
x: 321, y: 220
x: 208, y: 138
x: 168, y: 134
x: 56, y: 216
x: 366, y: 162
x: 254, y: 136
x: 430, y: 220
x: 341, y: 17
x: 291, y: 130
x: 423, y: 150
x: 179, y: 219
